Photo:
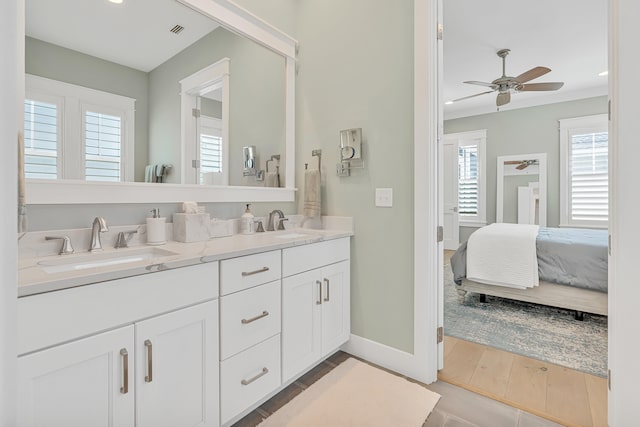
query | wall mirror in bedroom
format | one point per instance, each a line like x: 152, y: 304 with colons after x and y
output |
x: 139, y: 53
x: 521, y: 189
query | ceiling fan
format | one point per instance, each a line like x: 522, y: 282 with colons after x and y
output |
x: 522, y: 164
x: 506, y: 85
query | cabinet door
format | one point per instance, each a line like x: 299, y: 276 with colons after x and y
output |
x: 301, y: 322
x: 176, y: 369
x: 79, y: 384
x: 336, y: 318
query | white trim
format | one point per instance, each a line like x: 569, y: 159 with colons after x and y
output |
x: 476, y: 224
x: 587, y: 124
x: 379, y: 354
x: 48, y: 192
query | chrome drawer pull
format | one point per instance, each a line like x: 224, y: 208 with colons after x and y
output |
x: 327, y: 282
x: 319, y: 301
x: 264, y: 372
x: 265, y: 313
x: 149, y: 377
x: 251, y: 273
x: 125, y: 371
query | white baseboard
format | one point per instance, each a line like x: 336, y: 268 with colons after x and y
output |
x: 388, y: 357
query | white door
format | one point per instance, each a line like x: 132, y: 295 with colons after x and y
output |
x: 177, y: 377
x: 301, y: 322
x: 88, y: 382
x: 450, y: 194
x: 441, y: 171
x: 336, y: 323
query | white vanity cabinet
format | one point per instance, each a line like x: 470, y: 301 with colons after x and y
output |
x: 250, y: 324
x: 159, y: 369
x: 315, y: 304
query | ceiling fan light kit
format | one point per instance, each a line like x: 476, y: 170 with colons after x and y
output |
x: 506, y: 85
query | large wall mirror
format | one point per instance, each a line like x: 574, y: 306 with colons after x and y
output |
x: 105, y: 113
x: 521, y: 196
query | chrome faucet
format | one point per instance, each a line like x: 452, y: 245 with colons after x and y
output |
x: 270, y: 222
x: 99, y: 226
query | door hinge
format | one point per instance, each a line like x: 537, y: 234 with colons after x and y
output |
x: 195, y: 112
x: 609, y: 110
x: 440, y: 334
x: 195, y: 164
x: 609, y: 245
x: 440, y: 234
x: 609, y: 379
x: 440, y: 31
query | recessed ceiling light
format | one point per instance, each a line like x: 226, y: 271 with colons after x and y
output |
x: 116, y: 1
x: 448, y: 103
x: 604, y: 73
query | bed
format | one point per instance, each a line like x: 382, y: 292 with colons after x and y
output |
x: 559, y: 267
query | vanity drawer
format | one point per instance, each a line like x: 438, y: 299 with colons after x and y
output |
x: 248, y: 377
x: 307, y: 257
x: 245, y: 272
x: 249, y: 317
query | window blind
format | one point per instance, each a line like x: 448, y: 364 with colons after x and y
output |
x: 468, y: 180
x: 210, y: 154
x: 589, y: 188
x: 40, y: 139
x: 103, y: 136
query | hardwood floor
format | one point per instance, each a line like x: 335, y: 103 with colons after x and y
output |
x: 562, y: 395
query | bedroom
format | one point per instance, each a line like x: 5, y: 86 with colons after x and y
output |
x: 529, y: 124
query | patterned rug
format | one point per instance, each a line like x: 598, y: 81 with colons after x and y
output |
x: 545, y: 333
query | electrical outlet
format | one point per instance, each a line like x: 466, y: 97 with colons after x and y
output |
x: 384, y: 197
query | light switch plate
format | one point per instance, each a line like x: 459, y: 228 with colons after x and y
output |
x: 384, y: 197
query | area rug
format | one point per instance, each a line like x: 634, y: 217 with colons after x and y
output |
x: 545, y: 333
x: 357, y: 394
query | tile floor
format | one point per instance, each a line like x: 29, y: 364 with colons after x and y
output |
x: 457, y: 407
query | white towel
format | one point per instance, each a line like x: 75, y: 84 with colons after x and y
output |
x: 312, y: 202
x: 271, y: 179
x: 504, y: 255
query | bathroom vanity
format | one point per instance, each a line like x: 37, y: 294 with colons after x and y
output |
x: 200, y: 337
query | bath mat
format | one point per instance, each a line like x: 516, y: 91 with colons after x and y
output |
x: 357, y: 394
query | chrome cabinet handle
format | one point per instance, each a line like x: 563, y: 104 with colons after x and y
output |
x: 149, y: 377
x: 264, y: 372
x: 125, y: 371
x: 319, y: 301
x: 327, y: 282
x: 265, y: 313
x: 251, y: 273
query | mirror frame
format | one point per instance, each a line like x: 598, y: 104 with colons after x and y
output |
x: 542, y: 179
x: 238, y: 20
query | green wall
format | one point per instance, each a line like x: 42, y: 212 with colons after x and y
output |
x: 525, y: 131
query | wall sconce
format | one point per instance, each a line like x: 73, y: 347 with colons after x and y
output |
x: 350, y: 151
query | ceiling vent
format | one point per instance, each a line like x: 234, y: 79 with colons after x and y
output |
x: 177, y: 29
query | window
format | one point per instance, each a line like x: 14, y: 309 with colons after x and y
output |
x: 471, y: 176
x: 73, y: 132
x: 584, y: 162
x: 210, y: 150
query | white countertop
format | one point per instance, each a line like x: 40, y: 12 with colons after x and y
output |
x: 32, y: 279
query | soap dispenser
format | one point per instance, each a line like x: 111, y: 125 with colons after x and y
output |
x: 156, y: 230
x: 247, y: 225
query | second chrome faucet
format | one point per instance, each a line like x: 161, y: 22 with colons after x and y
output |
x: 99, y: 226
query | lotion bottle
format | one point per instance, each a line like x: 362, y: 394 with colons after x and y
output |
x: 156, y: 230
x: 247, y: 225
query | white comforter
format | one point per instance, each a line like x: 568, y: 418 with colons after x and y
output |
x: 504, y: 254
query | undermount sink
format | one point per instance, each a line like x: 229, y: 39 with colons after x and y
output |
x: 292, y: 235
x: 101, y: 259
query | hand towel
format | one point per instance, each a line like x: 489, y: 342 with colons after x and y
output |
x: 149, y: 173
x: 22, y: 197
x: 312, y: 201
x: 271, y: 179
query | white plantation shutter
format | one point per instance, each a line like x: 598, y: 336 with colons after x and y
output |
x: 41, y: 137
x: 103, y: 146
x: 210, y: 147
x: 584, y: 191
x: 590, y: 177
x: 468, y: 180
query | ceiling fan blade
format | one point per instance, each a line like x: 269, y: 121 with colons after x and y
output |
x: 541, y: 86
x: 503, y: 98
x: 472, y: 96
x: 522, y: 165
x: 533, y: 73
x: 513, y: 162
x: 474, y: 82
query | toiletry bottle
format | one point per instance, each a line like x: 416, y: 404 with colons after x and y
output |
x: 246, y: 222
x: 156, y: 230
